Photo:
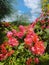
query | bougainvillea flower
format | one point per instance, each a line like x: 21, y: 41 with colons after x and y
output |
x: 33, y: 24
x: 38, y: 48
x: 3, y: 49
x: 5, y: 56
x: 43, y: 26
x: 10, y: 53
x: 36, y: 60
x: 37, y: 19
x: 35, y: 38
x: 14, y: 32
x: 20, y: 35
x: 47, y: 27
x: 28, y: 41
x: 29, y: 29
x: 29, y: 61
x: 9, y: 34
x: 22, y: 28
x: 42, y: 21
x: 1, y: 57
x: 13, y: 42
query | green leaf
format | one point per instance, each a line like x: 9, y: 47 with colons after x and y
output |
x: 47, y: 31
x: 45, y: 44
x: 1, y: 63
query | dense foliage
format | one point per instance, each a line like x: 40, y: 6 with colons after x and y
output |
x: 26, y: 45
x: 45, y: 5
x: 5, y: 8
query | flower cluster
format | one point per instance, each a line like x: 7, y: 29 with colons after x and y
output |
x: 44, y: 24
x: 30, y: 60
x: 27, y: 43
x: 32, y: 40
x: 4, y: 53
x: 38, y: 48
x: 12, y: 42
x: 18, y: 34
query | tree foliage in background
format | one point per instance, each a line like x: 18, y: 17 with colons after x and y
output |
x: 22, y: 19
x: 45, y: 5
x: 5, y: 8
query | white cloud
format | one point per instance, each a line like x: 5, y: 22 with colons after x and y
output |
x: 31, y: 3
x: 32, y: 18
x: 34, y: 6
x: 12, y: 17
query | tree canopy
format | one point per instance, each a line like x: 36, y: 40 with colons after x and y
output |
x: 45, y: 5
x: 5, y: 8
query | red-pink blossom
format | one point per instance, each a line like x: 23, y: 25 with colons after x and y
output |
x: 3, y: 49
x: 38, y: 48
x: 1, y: 57
x: 20, y: 35
x: 14, y: 32
x: 10, y: 53
x: 9, y: 34
x: 35, y: 38
x: 13, y: 42
x: 36, y: 60
x: 43, y: 26
x: 28, y: 41
x: 48, y: 20
x: 47, y: 27
x: 29, y: 61
x: 33, y: 24
x: 42, y: 21
x: 29, y: 29
x: 37, y: 19
x: 5, y: 56
x: 22, y: 28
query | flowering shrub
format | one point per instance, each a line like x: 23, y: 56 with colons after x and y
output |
x: 27, y: 46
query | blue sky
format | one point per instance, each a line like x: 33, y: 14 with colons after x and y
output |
x: 31, y: 7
